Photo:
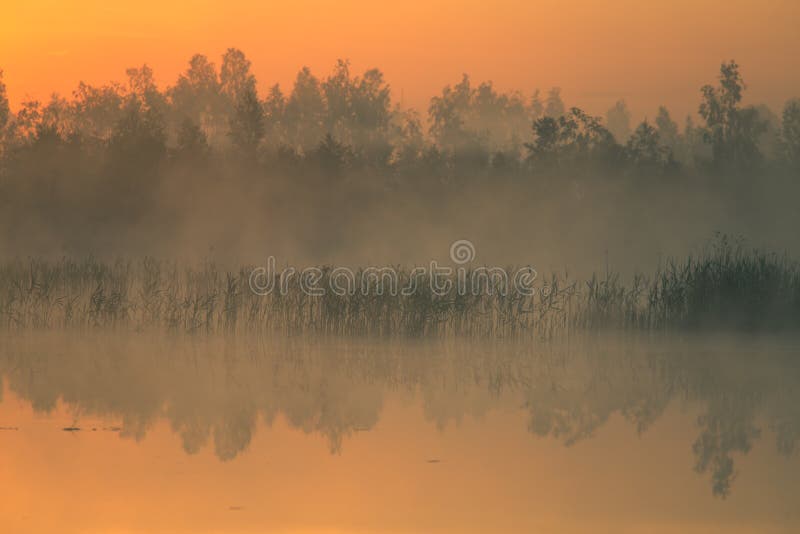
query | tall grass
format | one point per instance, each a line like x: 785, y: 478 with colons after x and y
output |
x: 725, y: 287
x: 728, y: 286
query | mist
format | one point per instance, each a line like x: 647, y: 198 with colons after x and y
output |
x: 314, y: 308
x: 333, y: 170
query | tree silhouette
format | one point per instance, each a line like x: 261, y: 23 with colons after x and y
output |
x: 247, y: 125
x: 192, y: 145
x: 197, y: 96
x: 731, y: 130
x: 305, y: 111
x: 236, y: 80
x: 571, y: 140
x: 97, y: 110
x: 447, y: 114
x: 142, y: 87
x: 618, y: 119
x: 331, y: 156
x: 790, y: 131
x: 112, y: 152
x: 644, y: 148
x: 275, y: 117
x: 4, y: 108
x: 535, y: 108
x: 26, y: 122
x: 136, y: 151
x: 553, y: 105
x: 667, y: 129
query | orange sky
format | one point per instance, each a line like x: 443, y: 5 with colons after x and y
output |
x: 647, y: 52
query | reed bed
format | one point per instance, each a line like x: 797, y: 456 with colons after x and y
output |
x: 726, y: 286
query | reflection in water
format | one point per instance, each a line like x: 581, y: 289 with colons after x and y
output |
x: 215, y: 392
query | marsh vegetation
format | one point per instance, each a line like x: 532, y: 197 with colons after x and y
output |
x: 726, y: 287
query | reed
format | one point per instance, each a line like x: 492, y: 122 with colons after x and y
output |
x: 725, y: 287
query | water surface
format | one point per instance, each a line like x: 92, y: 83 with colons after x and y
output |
x: 144, y: 433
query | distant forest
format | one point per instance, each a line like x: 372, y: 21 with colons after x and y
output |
x: 84, y: 172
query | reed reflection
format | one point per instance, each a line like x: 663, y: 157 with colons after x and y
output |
x: 214, y: 391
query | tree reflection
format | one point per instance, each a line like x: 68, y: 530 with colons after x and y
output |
x: 214, y: 391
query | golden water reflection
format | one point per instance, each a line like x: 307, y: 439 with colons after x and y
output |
x: 150, y: 434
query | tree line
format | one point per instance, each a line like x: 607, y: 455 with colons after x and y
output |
x: 106, y: 154
x: 349, y: 119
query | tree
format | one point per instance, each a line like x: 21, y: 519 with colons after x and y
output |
x: 694, y: 148
x: 476, y: 119
x: 731, y: 131
x: 305, y: 111
x: 247, y: 123
x: 197, y: 96
x: 138, y: 140
x: 410, y: 140
x: 447, y: 114
x: 667, y: 129
x: 331, y: 156
x: 274, y: 117
x: 535, y: 108
x: 790, y: 131
x: 192, y: 145
x: 142, y: 86
x: 573, y: 138
x: 143, y: 122
x: 546, y: 135
x: 4, y: 108
x: 370, y: 104
x: 500, y: 118
x: 97, y: 110
x: 136, y: 150
x: 27, y: 121
x: 554, y: 106
x: 235, y: 78
x: 768, y: 139
x: 618, y: 119
x: 359, y: 111
x: 644, y: 148
x: 338, y: 89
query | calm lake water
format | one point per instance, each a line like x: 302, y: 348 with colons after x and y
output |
x: 107, y: 433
